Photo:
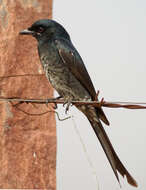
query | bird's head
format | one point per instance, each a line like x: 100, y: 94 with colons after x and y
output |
x: 45, y: 29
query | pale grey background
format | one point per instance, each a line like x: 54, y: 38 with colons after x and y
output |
x: 111, y: 38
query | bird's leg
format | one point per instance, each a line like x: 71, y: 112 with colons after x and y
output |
x: 97, y: 95
x: 68, y: 102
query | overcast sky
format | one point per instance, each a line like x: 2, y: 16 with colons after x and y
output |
x: 110, y: 36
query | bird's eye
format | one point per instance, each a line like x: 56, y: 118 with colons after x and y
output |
x: 40, y: 29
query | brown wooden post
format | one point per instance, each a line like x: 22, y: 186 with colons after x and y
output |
x: 27, y: 143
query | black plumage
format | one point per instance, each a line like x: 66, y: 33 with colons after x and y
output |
x: 67, y: 73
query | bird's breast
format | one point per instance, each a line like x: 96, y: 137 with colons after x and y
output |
x: 60, y: 76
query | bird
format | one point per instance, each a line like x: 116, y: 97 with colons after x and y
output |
x: 66, y: 71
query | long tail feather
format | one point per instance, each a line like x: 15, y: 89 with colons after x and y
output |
x: 113, y: 158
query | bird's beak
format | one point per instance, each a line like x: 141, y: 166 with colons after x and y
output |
x: 26, y: 32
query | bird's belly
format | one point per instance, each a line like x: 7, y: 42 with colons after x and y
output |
x: 62, y: 79
x: 67, y: 85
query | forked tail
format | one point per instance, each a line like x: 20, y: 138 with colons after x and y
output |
x: 115, y: 162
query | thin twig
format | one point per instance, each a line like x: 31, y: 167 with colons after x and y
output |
x: 102, y: 103
x: 23, y: 75
x: 32, y: 114
x: 39, y: 114
x: 60, y: 118
x: 86, y: 152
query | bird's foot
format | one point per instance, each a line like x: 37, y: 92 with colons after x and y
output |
x: 97, y: 95
x: 68, y: 103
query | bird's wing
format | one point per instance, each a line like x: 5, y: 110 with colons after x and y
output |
x: 74, y: 62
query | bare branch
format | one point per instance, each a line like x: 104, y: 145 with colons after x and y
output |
x: 102, y: 103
